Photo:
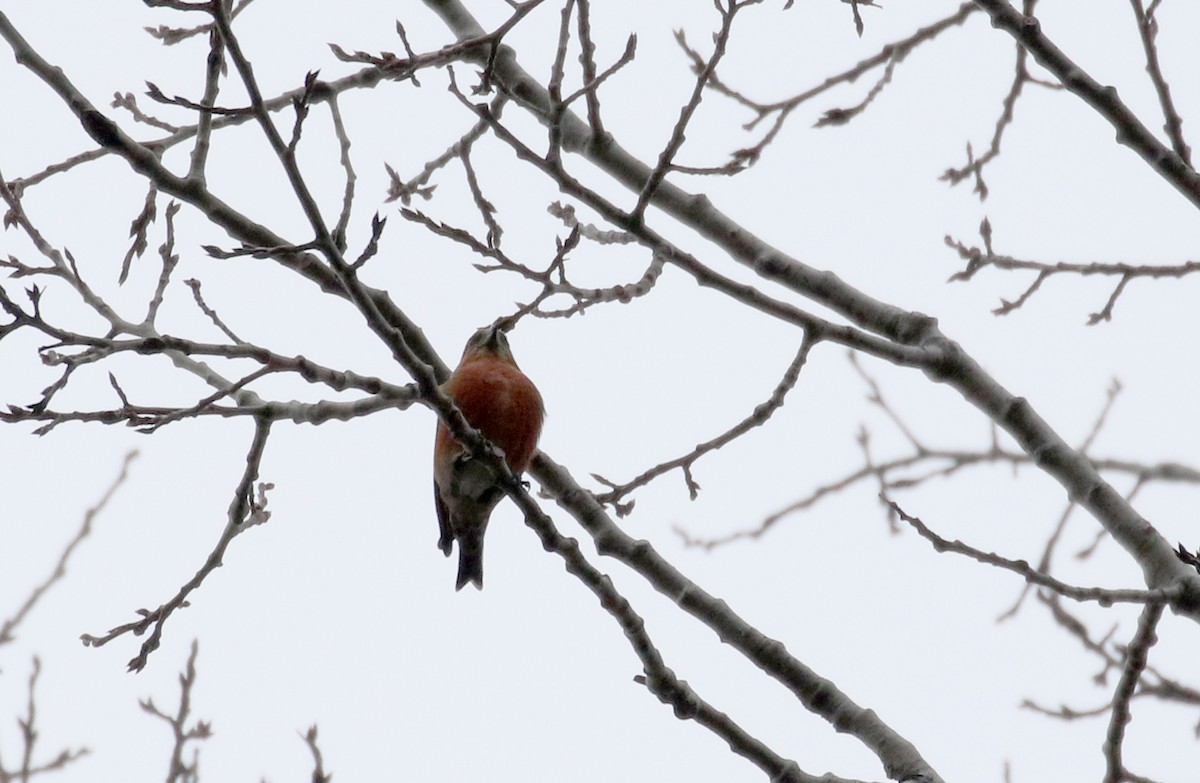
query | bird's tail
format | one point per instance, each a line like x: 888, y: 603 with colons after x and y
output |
x: 470, y: 559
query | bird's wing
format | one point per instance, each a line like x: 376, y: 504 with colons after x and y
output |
x: 446, y: 535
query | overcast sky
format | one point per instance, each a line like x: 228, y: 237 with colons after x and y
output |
x: 340, y: 611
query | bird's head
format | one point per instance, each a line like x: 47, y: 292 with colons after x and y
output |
x: 488, y: 341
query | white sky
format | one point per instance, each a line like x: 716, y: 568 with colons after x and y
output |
x: 341, y: 611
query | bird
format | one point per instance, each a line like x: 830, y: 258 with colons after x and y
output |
x: 497, y: 399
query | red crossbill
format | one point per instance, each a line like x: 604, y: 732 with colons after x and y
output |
x: 498, y: 400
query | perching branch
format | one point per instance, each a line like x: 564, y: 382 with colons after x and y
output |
x: 941, y: 358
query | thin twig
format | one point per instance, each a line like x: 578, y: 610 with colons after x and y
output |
x: 980, y: 258
x: 60, y: 569
x: 678, y: 134
x: 1103, y: 596
x: 178, y: 770
x: 1173, y: 123
x: 760, y: 415
x: 245, y: 511
x: 1131, y: 132
x: 1136, y: 655
x: 319, y: 775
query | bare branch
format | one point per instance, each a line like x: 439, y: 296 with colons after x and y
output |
x: 128, y: 102
x: 816, y: 693
x: 138, y: 231
x: 60, y: 569
x: 372, y: 247
x: 1173, y: 123
x: 1136, y: 655
x: 173, y: 35
x: 974, y: 166
x: 656, y: 677
x: 194, y: 284
x: 554, y: 85
x: 978, y: 259
x: 244, y: 512
x: 319, y: 775
x: 889, y: 55
x: 705, y: 276
x: 678, y: 134
x: 29, y: 768
x: 204, y: 125
x: 1104, y: 99
x: 207, y: 402
x: 592, y: 84
x: 339, y: 127
x: 1103, y: 596
x: 587, y: 62
x: 898, y: 474
x: 169, y: 260
x: 180, y: 771
x: 761, y: 414
x: 417, y: 186
x: 659, y: 679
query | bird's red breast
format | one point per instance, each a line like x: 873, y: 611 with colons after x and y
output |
x: 497, y: 399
